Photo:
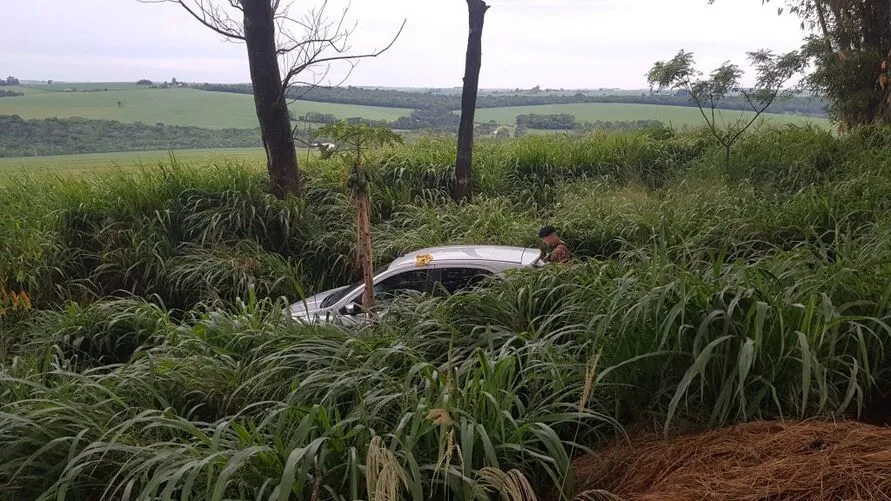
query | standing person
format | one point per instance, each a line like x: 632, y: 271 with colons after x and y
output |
x: 554, y: 250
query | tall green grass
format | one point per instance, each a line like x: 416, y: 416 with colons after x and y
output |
x: 150, y: 232
x: 157, y: 363
x: 233, y: 405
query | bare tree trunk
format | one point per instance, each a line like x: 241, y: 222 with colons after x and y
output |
x: 363, y: 221
x: 269, y: 98
x: 477, y: 13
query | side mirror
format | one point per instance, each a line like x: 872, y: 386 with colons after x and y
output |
x: 352, y: 309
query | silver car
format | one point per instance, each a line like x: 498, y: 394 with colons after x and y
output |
x: 435, y: 270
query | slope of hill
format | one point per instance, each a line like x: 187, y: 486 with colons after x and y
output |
x: 187, y: 107
x: 221, y: 107
x: 426, y: 99
x: 59, y: 136
x: 677, y: 116
x: 75, y: 166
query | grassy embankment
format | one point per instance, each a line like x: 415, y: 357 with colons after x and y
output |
x: 700, y: 297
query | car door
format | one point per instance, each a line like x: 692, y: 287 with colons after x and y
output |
x: 389, y: 288
x: 451, y: 279
x: 410, y: 281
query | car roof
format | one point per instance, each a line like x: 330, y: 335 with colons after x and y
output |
x: 474, y: 253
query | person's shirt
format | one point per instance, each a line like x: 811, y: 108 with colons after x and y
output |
x: 558, y: 254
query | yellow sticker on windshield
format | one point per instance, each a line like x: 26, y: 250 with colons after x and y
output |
x: 423, y: 259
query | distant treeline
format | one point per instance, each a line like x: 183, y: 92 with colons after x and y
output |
x: 799, y: 105
x: 10, y: 93
x: 429, y: 119
x: 446, y: 121
x: 566, y: 121
x: 561, y: 121
x: 622, y: 125
x: 442, y: 120
x: 62, y: 136
x: 327, y: 118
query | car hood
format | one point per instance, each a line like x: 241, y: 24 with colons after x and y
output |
x: 311, y: 305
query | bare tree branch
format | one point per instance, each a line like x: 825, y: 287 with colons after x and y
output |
x: 282, y: 51
x: 765, y: 103
x: 315, y: 59
x: 314, y: 84
x: 695, y: 95
x: 211, y: 16
x: 300, y: 52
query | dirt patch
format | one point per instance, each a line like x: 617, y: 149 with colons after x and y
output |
x: 810, y: 460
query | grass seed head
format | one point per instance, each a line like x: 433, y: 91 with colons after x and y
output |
x: 512, y: 485
x: 590, y: 372
x: 384, y: 476
x: 439, y: 416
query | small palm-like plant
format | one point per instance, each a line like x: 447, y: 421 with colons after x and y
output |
x: 353, y: 142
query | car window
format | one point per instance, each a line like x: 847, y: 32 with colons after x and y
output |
x: 337, y: 296
x: 409, y: 281
x: 452, y: 280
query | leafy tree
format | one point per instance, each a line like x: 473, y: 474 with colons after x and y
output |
x: 319, y: 118
x: 599, y: 125
x: 367, y: 121
x: 561, y: 121
x: 850, y: 53
x: 773, y: 71
x: 353, y: 141
x: 486, y: 128
x: 144, y: 81
x: 440, y: 119
x: 307, y: 46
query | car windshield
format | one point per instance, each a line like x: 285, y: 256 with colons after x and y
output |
x: 334, y: 297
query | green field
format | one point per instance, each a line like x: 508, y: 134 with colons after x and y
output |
x: 221, y: 110
x: 608, y: 112
x: 168, y: 106
x: 62, y: 86
x: 105, y: 162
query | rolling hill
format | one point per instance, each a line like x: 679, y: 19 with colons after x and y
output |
x: 589, y: 112
x: 172, y: 106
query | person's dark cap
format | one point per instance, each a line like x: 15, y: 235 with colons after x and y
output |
x: 546, y: 230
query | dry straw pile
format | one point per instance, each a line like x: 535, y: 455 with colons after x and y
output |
x: 808, y: 460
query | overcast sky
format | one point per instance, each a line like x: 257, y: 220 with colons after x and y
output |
x: 552, y: 43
